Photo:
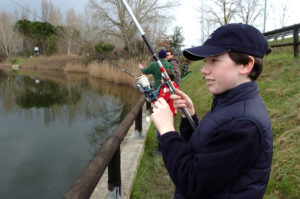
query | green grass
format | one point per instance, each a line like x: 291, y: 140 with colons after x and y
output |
x: 152, y: 180
x: 280, y: 89
x: 17, y: 60
x: 279, y: 86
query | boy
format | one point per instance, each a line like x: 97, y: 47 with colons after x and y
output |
x: 229, y: 154
x: 171, y: 59
x: 154, y: 69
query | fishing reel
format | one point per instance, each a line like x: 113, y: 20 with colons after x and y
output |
x: 145, y: 87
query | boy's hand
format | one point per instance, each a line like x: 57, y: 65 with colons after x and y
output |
x: 162, y: 116
x: 181, y: 100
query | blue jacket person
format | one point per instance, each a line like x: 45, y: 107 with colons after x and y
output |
x: 229, y: 154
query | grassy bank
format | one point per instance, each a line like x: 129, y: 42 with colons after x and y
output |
x: 280, y: 88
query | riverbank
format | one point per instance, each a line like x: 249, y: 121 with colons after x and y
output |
x: 77, y: 64
x: 279, y: 87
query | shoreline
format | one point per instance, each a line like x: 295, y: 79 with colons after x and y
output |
x: 74, y: 64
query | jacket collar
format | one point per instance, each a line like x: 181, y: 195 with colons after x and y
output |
x: 239, y: 93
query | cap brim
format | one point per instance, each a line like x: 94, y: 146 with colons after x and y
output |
x: 200, y: 52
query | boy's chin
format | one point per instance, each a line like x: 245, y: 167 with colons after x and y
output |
x: 212, y: 90
x: 215, y: 91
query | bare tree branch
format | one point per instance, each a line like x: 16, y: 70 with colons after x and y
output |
x: 115, y: 21
x: 9, y: 39
x: 249, y: 11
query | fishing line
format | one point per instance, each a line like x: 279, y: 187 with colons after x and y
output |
x: 79, y: 42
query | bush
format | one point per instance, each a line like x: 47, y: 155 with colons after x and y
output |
x: 103, y: 47
x: 52, y: 45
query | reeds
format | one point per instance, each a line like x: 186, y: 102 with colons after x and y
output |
x: 112, y: 72
x: 56, y: 62
x: 105, y: 70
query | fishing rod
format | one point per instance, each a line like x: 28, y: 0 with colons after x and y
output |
x: 164, y: 74
x: 79, y: 42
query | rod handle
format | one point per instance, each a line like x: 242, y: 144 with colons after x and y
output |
x: 189, y: 118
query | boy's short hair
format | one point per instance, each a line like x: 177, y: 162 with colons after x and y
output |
x: 240, y: 58
x: 170, y: 51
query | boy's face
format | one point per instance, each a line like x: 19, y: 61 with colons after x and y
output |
x: 222, y: 74
x: 169, y: 56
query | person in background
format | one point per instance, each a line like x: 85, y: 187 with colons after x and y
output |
x: 154, y: 69
x: 229, y: 153
x: 175, y: 63
x: 184, y: 68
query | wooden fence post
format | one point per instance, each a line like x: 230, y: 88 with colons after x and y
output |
x: 148, y: 108
x: 148, y: 111
x: 114, y: 176
x: 139, y: 124
x: 296, y: 40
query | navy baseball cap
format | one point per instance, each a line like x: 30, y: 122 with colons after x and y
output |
x: 235, y: 37
x: 162, y: 54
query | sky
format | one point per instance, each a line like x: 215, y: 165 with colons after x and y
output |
x: 186, y: 15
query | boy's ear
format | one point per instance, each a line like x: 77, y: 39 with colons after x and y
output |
x: 247, y: 68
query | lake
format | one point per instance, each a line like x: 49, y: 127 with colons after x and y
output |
x: 51, y: 125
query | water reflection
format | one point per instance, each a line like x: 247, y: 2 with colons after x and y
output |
x: 51, y: 128
x: 36, y: 93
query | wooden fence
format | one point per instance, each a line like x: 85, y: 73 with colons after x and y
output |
x: 285, y: 32
x: 107, y: 156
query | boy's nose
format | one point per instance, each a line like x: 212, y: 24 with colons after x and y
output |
x: 204, y: 69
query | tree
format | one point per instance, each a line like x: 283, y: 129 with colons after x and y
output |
x: 177, y: 39
x: 52, y: 45
x: 249, y: 11
x: 35, y: 33
x: 41, y: 31
x: 50, y: 13
x: 23, y: 27
x: 103, y: 47
x: 71, y: 29
x: 9, y: 39
x: 45, y: 6
x: 284, y: 15
x: 68, y: 34
x: 163, y: 41
x: 55, y: 16
x: 25, y: 13
x: 115, y: 21
x: 223, y: 11
x: 220, y: 12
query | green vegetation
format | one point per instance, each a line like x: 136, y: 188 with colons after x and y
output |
x: 17, y: 60
x: 103, y: 46
x: 279, y: 86
x: 36, y: 32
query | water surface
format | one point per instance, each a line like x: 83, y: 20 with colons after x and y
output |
x: 51, y: 125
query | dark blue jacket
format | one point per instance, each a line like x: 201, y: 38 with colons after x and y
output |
x: 228, y: 155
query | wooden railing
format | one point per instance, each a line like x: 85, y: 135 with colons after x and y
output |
x: 284, y: 32
x: 107, y: 156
